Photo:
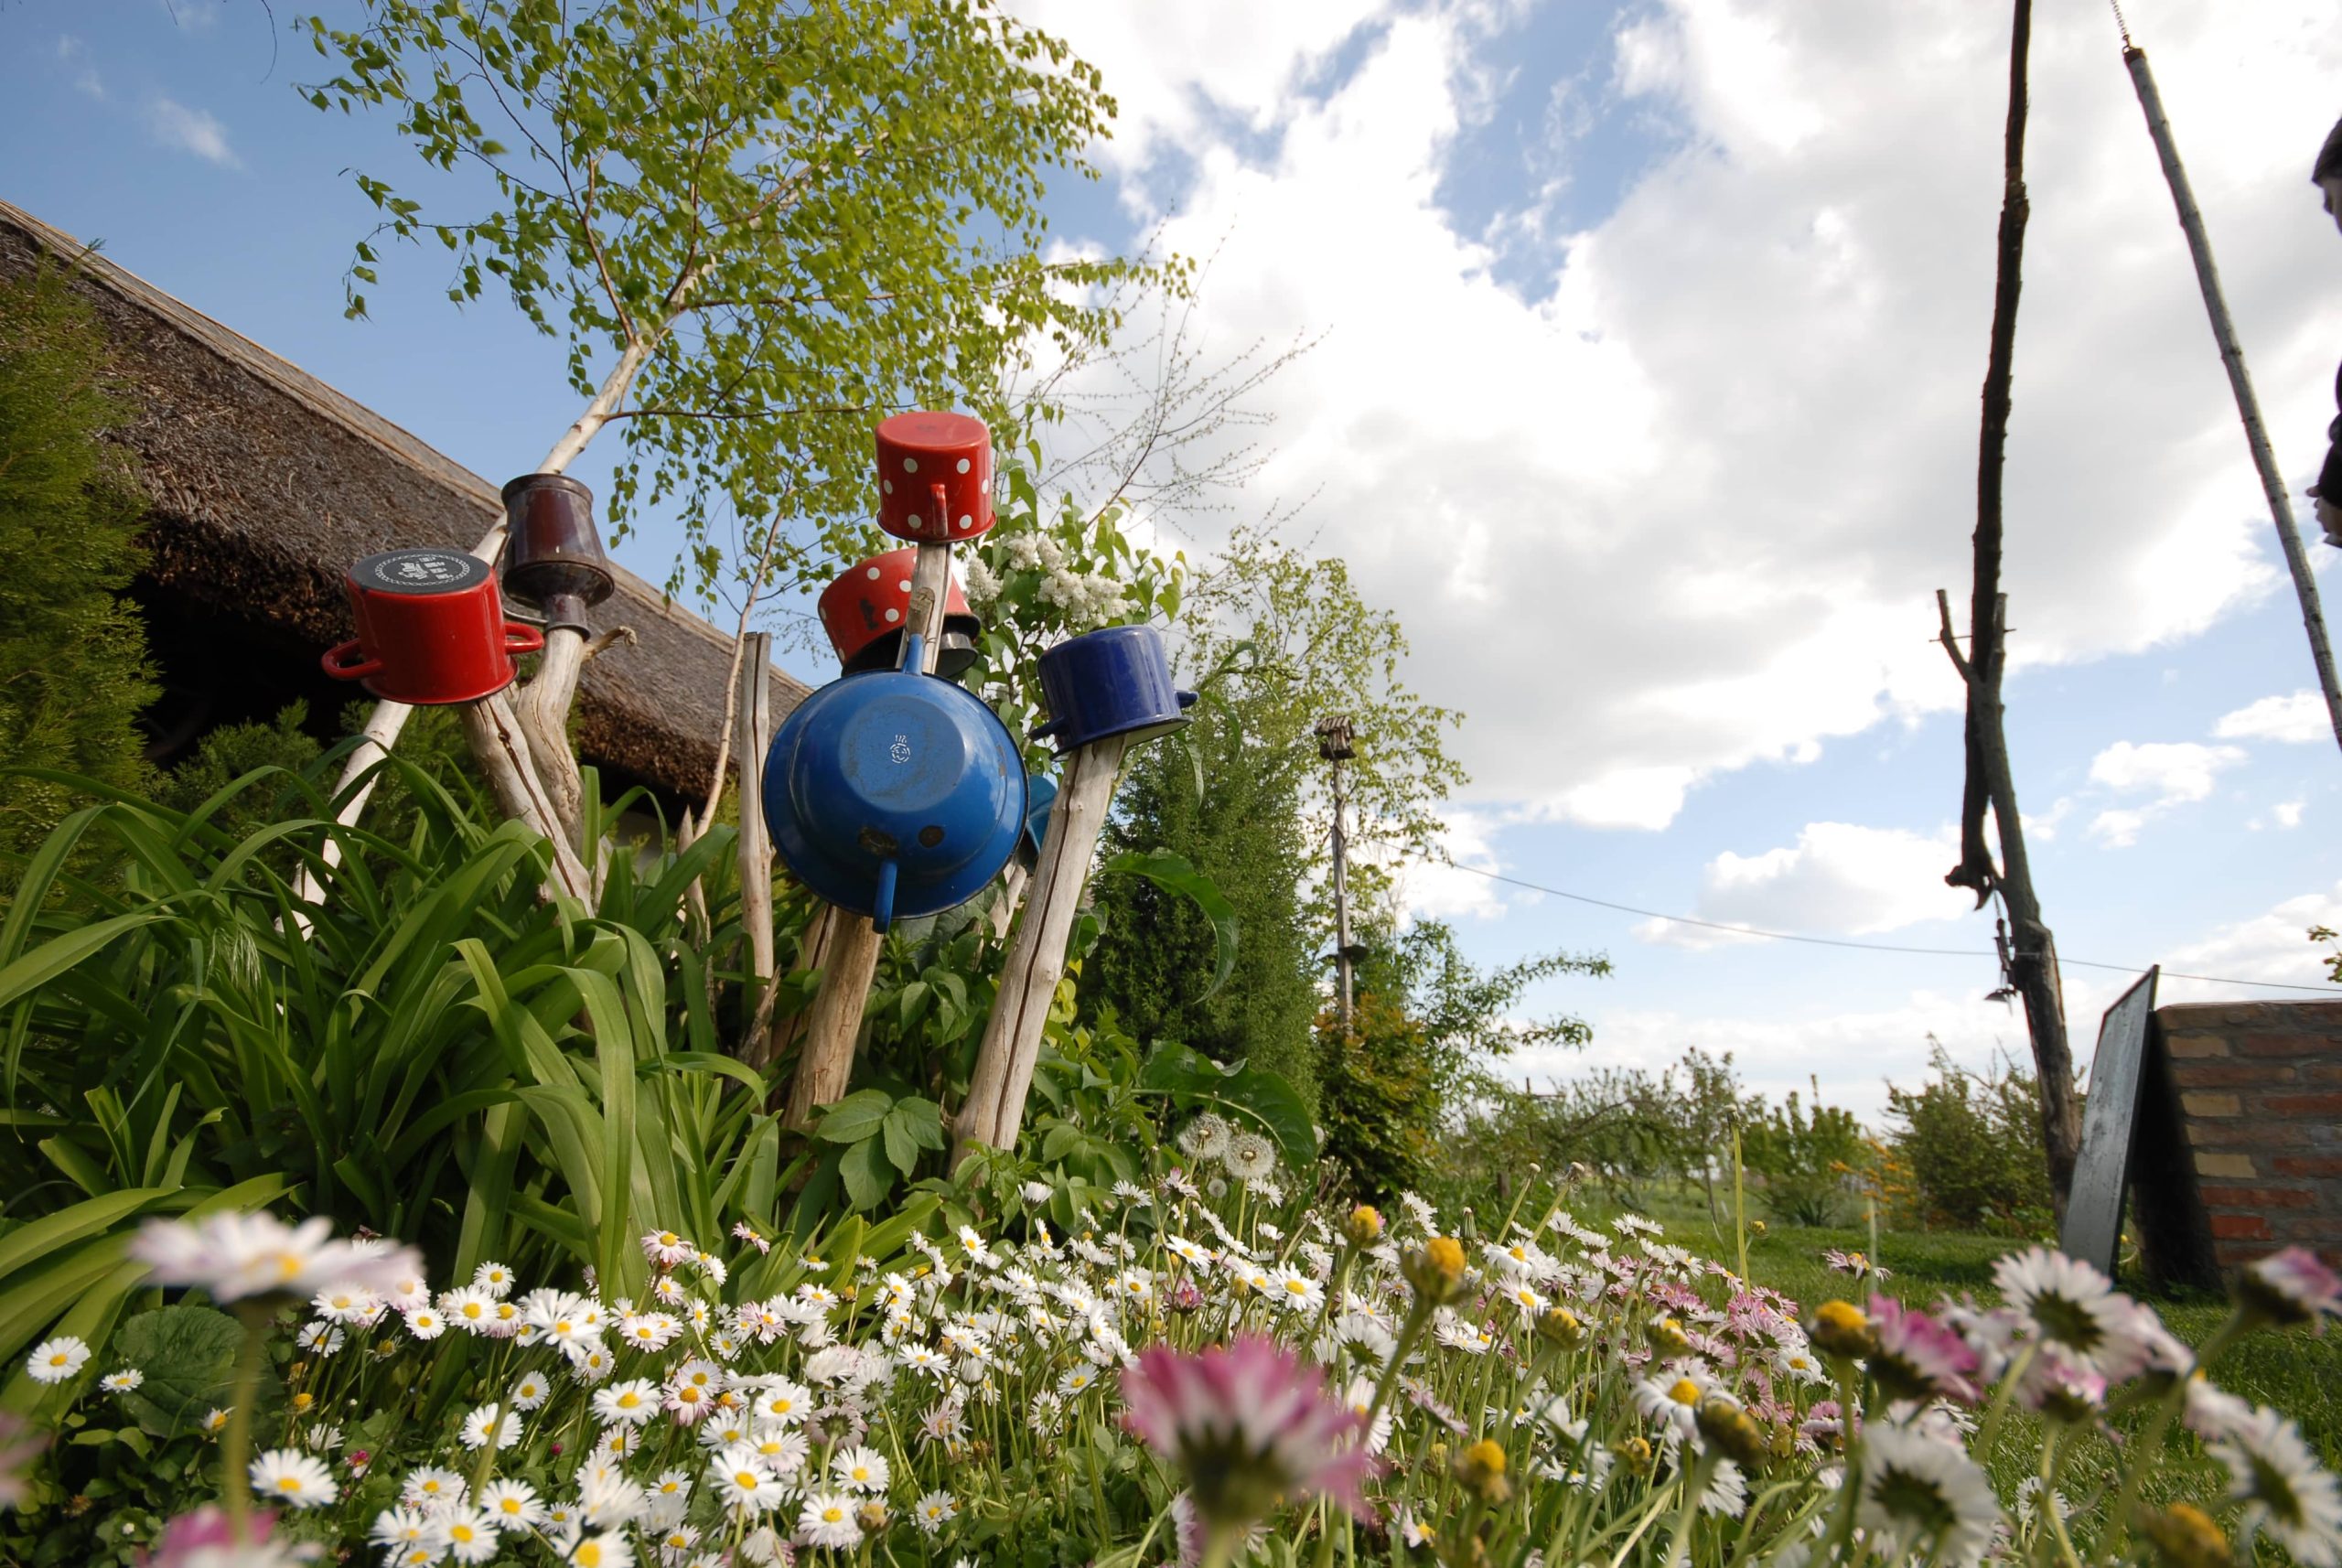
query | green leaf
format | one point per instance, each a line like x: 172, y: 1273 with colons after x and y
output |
x: 863, y: 1168
x: 857, y: 1117
x: 1255, y: 1094
x: 187, y: 1356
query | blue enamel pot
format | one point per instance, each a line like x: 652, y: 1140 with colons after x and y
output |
x: 1115, y: 681
x: 895, y: 795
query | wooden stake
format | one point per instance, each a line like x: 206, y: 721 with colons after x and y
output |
x: 2247, y: 407
x: 1028, y: 983
x: 834, y: 1024
x: 502, y: 748
x: 753, y: 717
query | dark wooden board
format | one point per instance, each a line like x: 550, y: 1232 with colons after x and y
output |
x: 2110, y: 1119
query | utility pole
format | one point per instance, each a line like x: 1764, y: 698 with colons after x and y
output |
x: 1335, y: 746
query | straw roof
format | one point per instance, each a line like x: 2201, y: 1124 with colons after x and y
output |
x: 265, y: 484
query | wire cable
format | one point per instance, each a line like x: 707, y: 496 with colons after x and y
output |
x: 1859, y: 947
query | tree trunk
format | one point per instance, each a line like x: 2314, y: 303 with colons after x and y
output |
x: 1990, y: 779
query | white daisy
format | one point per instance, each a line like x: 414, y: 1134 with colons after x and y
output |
x: 1295, y: 1291
x: 290, y: 1478
x: 122, y: 1382
x: 861, y: 1470
x: 514, y: 1505
x: 742, y: 1483
x: 466, y: 1535
x: 235, y: 1255
x: 609, y: 1550
x: 828, y: 1521
x: 54, y: 1360
x: 529, y: 1391
x: 2072, y: 1305
x: 491, y: 1421
x: 1920, y: 1498
x: 933, y: 1511
x: 2285, y: 1493
x: 632, y: 1403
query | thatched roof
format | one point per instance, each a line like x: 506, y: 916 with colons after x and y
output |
x: 265, y: 484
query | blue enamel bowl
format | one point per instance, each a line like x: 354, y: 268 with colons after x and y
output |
x: 895, y: 795
x: 1114, y: 680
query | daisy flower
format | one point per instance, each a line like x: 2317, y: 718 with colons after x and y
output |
x: 470, y: 1308
x: 666, y: 1248
x: 404, y: 1525
x: 54, y: 1360
x: 649, y: 1330
x: 782, y: 1448
x: 827, y: 1520
x: 347, y: 1303
x: 514, y: 1505
x: 321, y: 1336
x: 2291, y: 1287
x: 608, y: 1499
x: 216, y: 1422
x: 1295, y: 1291
x: 589, y: 1363
x: 424, y: 1322
x: 234, y: 1255
x: 466, y: 1535
x: 489, y: 1421
x: 1920, y: 1498
x: 1251, y: 1424
x: 431, y: 1490
x: 1918, y: 1357
x: 609, y: 1550
x: 122, y: 1382
x: 933, y: 1511
x: 289, y: 1476
x: 744, y: 1231
x: 632, y: 1403
x: 742, y: 1483
x: 2072, y: 1305
x: 529, y: 1391
x: 2285, y: 1493
x: 860, y: 1470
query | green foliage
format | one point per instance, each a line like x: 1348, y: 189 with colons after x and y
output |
x: 186, y: 1355
x: 74, y: 669
x: 1427, y: 1025
x: 794, y: 220
x: 1973, y: 1145
x: 440, y: 1056
x: 1806, y: 1158
x: 1158, y: 962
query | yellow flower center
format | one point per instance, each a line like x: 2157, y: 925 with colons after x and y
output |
x: 747, y: 1480
x: 1297, y: 1287
x: 1684, y: 1392
x: 288, y: 1483
x: 832, y: 1515
x: 589, y: 1555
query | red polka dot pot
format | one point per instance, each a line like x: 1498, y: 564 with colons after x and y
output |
x: 934, y: 476
x: 864, y: 611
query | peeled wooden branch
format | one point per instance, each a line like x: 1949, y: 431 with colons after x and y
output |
x: 502, y: 748
x: 752, y: 714
x: 1028, y: 983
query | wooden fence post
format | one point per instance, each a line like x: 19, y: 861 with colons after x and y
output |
x: 1028, y: 983
x: 752, y: 718
x: 502, y: 748
x: 834, y: 1022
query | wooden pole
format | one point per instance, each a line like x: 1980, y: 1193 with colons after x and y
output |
x: 752, y: 716
x: 834, y: 1024
x: 2247, y: 407
x: 502, y: 748
x: 1035, y: 962
x: 1991, y: 780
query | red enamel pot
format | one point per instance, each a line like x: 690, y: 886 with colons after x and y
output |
x: 431, y: 630
x: 934, y: 476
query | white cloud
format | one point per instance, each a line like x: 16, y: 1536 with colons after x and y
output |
x: 2299, y: 717
x: 193, y: 131
x: 2274, y: 946
x: 71, y: 50
x: 1839, y: 879
x: 2287, y: 813
x: 2172, y: 773
x: 1683, y: 508
x: 1434, y: 892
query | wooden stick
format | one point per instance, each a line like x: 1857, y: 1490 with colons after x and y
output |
x: 502, y: 748
x: 779, y: 1037
x: 1028, y: 983
x: 834, y: 1024
x: 542, y: 707
x: 753, y: 718
x: 2248, y: 406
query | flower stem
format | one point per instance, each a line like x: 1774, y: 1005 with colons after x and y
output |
x: 236, y: 1443
x: 1696, y: 1483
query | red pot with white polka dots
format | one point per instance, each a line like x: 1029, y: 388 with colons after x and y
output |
x: 934, y: 476
x: 865, y: 609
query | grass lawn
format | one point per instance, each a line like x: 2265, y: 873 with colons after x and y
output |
x: 2298, y: 1372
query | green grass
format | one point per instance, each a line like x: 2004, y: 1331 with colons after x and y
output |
x: 2295, y: 1371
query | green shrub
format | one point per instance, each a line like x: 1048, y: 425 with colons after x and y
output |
x: 73, y: 667
x: 1806, y: 1158
x: 1972, y: 1143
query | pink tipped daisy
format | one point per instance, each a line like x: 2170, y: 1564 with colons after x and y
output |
x: 2291, y: 1287
x: 1251, y: 1424
x: 1919, y: 1357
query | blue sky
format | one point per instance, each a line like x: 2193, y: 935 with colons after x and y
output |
x: 1652, y: 335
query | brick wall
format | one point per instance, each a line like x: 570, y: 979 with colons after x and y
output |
x: 2260, y: 1090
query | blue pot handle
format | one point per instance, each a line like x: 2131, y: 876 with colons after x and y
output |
x: 1187, y: 699
x: 914, y: 653
x: 1043, y: 731
x: 882, y: 903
